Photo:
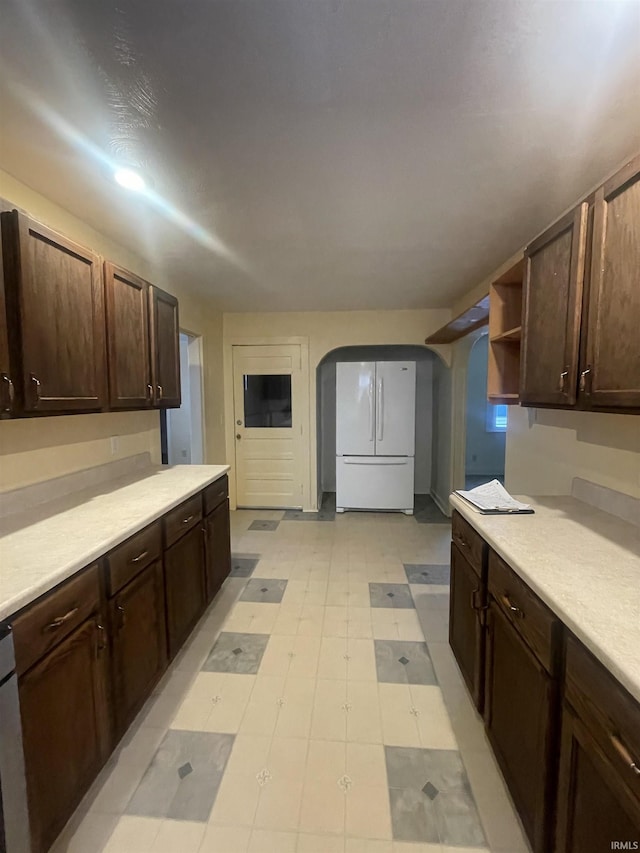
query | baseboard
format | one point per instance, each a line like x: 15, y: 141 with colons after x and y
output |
x: 443, y: 506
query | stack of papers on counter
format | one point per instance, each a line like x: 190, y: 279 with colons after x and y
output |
x: 493, y: 498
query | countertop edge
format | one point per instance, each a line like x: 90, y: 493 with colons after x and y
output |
x: 631, y: 684
x: 9, y: 607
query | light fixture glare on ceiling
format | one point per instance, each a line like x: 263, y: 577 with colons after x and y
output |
x: 129, y: 179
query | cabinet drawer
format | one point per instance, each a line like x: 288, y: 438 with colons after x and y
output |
x: 610, y: 714
x: 533, y: 620
x: 125, y: 561
x: 215, y: 494
x: 182, y: 518
x: 470, y: 543
x: 42, y: 625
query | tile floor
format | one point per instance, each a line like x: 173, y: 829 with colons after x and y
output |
x: 316, y: 709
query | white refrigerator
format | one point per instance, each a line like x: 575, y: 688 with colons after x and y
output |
x: 375, y: 435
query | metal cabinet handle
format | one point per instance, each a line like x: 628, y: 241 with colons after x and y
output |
x: 511, y: 606
x: 187, y: 520
x: 563, y: 379
x: 160, y: 391
x: 12, y: 394
x: 60, y: 620
x: 583, y: 378
x: 140, y: 556
x: 149, y: 392
x: 123, y: 617
x: 36, y: 382
x: 102, y: 645
x: 624, y: 754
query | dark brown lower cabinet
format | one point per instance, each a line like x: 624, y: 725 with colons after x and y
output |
x: 139, y: 643
x: 63, y: 703
x: 185, y: 586
x: 218, y: 547
x: 595, y: 807
x: 466, y: 632
x: 520, y: 698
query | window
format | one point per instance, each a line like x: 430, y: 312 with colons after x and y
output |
x: 496, y: 418
x: 267, y: 400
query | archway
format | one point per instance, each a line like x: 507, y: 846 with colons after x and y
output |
x: 433, y: 423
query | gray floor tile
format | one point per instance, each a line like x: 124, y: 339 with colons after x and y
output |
x: 426, y: 573
x: 298, y: 515
x: 403, y: 662
x: 396, y: 595
x: 242, y: 565
x: 430, y: 796
x: 264, y: 525
x: 241, y: 653
x: 426, y: 511
x: 184, y: 776
x: 264, y: 590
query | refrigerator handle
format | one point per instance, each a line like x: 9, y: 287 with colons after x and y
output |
x: 380, y: 414
x: 372, y: 419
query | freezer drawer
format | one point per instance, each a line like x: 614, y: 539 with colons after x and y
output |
x: 374, y: 482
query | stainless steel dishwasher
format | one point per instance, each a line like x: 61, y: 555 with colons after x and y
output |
x: 14, y: 818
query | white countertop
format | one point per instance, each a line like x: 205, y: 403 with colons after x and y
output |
x: 584, y: 564
x: 44, y: 546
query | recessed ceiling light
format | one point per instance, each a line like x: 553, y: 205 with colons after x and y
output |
x: 129, y: 179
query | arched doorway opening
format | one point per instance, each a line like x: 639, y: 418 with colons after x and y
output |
x: 433, y: 424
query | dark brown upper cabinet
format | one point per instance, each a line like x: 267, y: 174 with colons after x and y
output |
x: 7, y: 390
x: 128, y: 339
x: 165, y: 348
x: 553, y: 281
x: 610, y: 373
x: 55, y: 305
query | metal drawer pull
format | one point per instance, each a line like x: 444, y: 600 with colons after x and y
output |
x: 160, y: 391
x: 583, y: 378
x: 102, y: 645
x: 463, y: 541
x: 624, y: 754
x: 149, y: 392
x: 510, y: 606
x: 60, y: 620
x: 187, y: 520
x: 139, y: 557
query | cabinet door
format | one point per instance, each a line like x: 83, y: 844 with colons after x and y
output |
x: 165, y: 348
x: 611, y: 376
x: 65, y: 729
x: 55, y: 289
x: 185, y: 586
x: 554, y: 273
x: 218, y: 548
x: 128, y: 344
x: 519, y: 717
x: 595, y: 807
x: 466, y: 634
x: 139, y: 650
x: 7, y: 391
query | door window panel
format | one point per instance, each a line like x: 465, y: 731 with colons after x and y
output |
x: 267, y: 400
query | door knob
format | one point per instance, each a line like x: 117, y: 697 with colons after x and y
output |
x: 238, y: 436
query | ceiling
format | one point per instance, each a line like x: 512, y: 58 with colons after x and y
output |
x: 320, y: 154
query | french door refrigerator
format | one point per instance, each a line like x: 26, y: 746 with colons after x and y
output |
x: 375, y: 435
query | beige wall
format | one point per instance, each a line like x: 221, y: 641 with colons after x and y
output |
x: 36, y: 449
x: 546, y: 449
x: 324, y: 331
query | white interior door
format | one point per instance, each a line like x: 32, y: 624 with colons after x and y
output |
x: 395, y: 408
x: 269, y: 414
x: 355, y: 408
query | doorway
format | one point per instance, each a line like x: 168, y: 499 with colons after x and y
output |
x: 183, y: 439
x: 432, y: 424
x: 486, y: 424
x: 269, y: 412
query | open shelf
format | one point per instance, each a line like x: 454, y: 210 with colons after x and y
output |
x: 509, y: 335
x: 505, y: 330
